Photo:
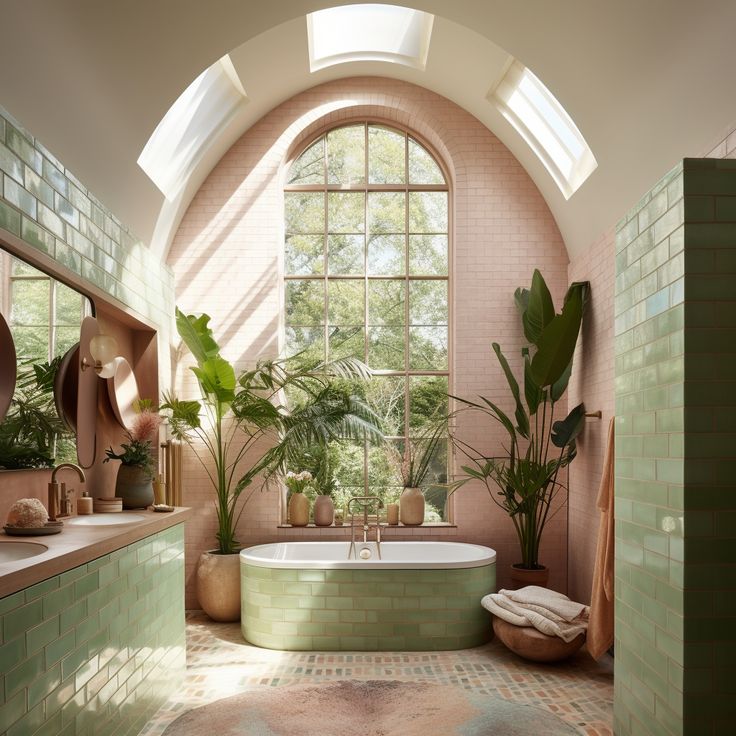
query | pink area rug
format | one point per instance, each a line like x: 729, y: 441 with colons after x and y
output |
x: 366, y: 708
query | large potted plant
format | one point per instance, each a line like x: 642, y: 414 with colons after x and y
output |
x: 526, y: 479
x: 241, y: 430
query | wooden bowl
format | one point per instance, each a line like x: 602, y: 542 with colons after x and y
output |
x: 531, y: 644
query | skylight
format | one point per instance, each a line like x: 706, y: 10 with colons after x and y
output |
x: 180, y: 138
x: 368, y: 32
x: 544, y: 124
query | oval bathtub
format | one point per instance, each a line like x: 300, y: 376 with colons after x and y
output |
x: 420, y: 596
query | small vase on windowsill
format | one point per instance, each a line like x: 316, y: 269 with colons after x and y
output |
x: 324, y: 511
x: 411, y: 507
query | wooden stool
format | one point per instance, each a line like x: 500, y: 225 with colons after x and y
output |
x: 531, y: 644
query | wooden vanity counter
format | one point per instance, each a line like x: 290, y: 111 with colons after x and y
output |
x: 77, y: 545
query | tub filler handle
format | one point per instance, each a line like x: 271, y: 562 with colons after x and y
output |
x: 364, y: 502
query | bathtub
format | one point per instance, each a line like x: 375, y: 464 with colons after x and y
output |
x: 420, y: 596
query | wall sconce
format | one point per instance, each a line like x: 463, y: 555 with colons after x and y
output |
x: 103, y: 349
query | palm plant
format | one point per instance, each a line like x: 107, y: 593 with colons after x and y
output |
x: 235, y: 417
x: 525, y: 481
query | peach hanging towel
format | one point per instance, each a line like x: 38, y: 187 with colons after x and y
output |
x: 600, y: 623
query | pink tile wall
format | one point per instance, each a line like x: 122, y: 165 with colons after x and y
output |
x: 591, y: 383
x: 227, y: 261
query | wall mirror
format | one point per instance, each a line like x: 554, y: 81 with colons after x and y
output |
x: 43, y: 316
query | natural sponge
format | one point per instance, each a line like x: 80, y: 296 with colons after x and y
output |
x: 27, y: 513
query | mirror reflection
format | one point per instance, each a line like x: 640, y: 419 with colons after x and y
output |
x: 44, y: 316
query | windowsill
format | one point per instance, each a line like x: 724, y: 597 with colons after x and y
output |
x: 428, y: 525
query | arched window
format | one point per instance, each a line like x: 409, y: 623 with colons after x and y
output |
x: 366, y: 266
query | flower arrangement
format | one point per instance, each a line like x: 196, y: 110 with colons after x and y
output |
x: 137, y: 450
x: 413, y: 465
x: 298, y: 482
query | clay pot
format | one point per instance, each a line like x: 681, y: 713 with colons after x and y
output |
x: 324, y: 511
x: 521, y: 577
x: 218, y: 585
x: 298, y: 510
x: 411, y: 507
x: 392, y: 514
x: 135, y: 486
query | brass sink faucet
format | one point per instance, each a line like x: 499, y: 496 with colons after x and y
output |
x: 59, y: 502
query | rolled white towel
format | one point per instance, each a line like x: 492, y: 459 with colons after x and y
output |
x: 542, y: 619
x: 553, y: 601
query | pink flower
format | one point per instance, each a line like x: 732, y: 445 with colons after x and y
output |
x: 145, y: 425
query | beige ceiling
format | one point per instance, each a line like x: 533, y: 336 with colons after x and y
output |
x: 646, y: 81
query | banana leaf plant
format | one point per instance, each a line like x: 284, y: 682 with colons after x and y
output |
x: 241, y: 429
x: 525, y: 481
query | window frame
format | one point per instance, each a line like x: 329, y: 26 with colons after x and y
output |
x: 407, y: 373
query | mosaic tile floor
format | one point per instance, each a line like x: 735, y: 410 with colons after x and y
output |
x: 220, y: 664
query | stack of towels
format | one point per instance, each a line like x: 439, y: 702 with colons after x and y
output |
x: 546, y: 610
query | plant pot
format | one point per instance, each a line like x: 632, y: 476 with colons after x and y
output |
x: 298, y: 510
x: 135, y: 486
x: 411, y: 507
x: 522, y: 576
x: 324, y: 511
x: 218, y: 585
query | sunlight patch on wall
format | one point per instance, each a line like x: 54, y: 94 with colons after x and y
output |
x: 368, y: 32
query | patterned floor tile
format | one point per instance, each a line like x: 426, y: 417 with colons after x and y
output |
x: 220, y: 663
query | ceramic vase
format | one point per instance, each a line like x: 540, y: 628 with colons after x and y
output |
x: 218, y: 585
x: 298, y: 510
x: 521, y: 576
x: 135, y: 486
x: 411, y: 507
x: 324, y: 511
x: 392, y: 514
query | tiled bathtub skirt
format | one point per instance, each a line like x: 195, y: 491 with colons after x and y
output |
x: 220, y: 663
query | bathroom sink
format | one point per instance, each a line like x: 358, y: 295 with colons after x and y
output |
x: 105, y: 519
x: 12, y: 551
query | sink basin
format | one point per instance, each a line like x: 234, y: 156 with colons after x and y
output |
x: 114, y: 519
x: 12, y: 551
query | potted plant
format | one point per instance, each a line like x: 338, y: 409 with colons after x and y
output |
x: 297, y: 483
x: 319, y: 463
x: 134, y: 483
x: 235, y: 418
x: 413, y: 466
x: 525, y: 481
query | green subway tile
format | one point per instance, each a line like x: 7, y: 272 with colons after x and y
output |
x: 10, y: 218
x: 39, y: 636
x: 23, y: 674
x: 10, y: 602
x: 13, y: 652
x: 44, y: 685
x: 11, y: 164
x: 20, y: 198
x: 36, y: 236
x: 19, y: 620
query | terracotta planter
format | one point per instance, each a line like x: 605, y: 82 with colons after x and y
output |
x: 298, y: 510
x: 135, y: 486
x: 324, y: 511
x: 521, y: 577
x: 218, y: 585
x: 411, y: 507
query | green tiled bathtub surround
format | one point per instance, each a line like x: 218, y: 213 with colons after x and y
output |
x: 675, y: 324
x: 363, y: 610
x: 46, y: 206
x: 97, y: 649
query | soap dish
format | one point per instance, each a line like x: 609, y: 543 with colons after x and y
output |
x: 33, y: 531
x: 162, y: 507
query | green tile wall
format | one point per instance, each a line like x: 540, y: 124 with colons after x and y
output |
x: 675, y: 332
x: 363, y: 610
x: 97, y: 649
x: 45, y: 205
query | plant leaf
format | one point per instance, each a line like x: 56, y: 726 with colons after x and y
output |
x: 556, y: 344
x: 533, y: 394
x: 197, y: 336
x: 560, y: 385
x: 522, y: 419
x: 566, y: 430
x: 216, y: 377
x: 540, y: 310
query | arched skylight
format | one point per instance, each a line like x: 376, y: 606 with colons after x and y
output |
x: 368, y: 32
x: 205, y: 105
x: 545, y: 125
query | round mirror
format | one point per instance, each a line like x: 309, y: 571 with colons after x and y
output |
x: 7, y: 367
x: 122, y: 388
